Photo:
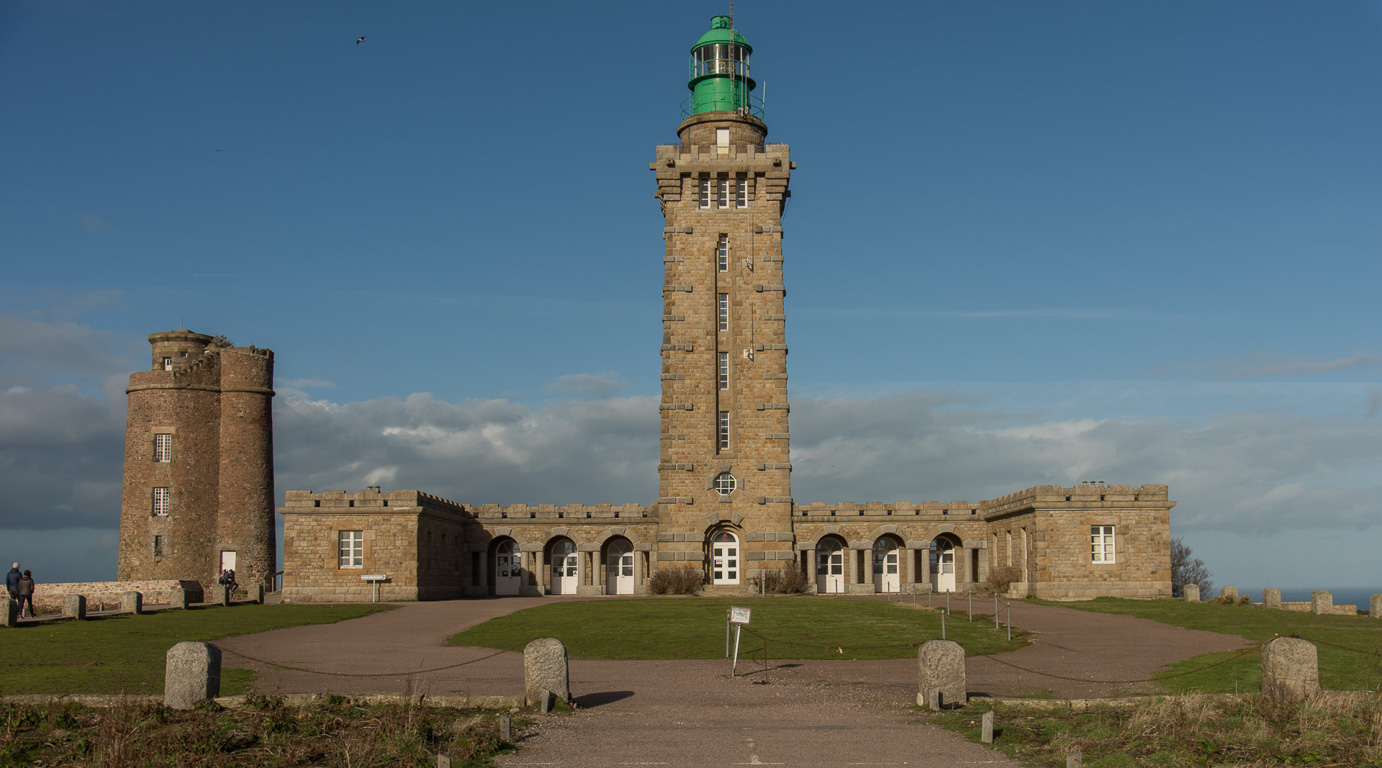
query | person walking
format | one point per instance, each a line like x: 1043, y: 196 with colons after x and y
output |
x: 12, y: 581
x: 26, y: 593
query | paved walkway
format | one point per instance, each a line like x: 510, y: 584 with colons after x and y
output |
x: 671, y: 713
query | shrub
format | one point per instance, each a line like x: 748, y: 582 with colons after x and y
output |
x: 676, y: 581
x: 781, y: 581
x: 1003, y: 577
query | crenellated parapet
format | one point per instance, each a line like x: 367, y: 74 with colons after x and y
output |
x: 1082, y: 496
x: 573, y: 513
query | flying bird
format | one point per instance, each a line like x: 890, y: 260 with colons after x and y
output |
x: 359, y: 39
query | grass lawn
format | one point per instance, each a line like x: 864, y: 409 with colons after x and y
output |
x: 1340, y: 670
x: 126, y: 654
x: 694, y: 628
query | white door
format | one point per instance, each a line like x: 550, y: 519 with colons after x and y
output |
x: 890, y: 581
x: 508, y: 569
x: 228, y: 560
x: 944, y: 572
x: 564, y: 570
x: 619, y: 569
x: 724, y: 559
x: 830, y: 569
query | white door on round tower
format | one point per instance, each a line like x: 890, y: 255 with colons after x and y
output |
x: 724, y: 559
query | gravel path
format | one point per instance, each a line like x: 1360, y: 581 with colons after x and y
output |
x: 692, y: 713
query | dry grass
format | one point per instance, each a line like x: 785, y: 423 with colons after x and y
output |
x: 676, y: 581
x: 334, y: 731
x: 1337, y: 729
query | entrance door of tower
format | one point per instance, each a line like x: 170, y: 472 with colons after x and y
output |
x: 830, y: 568
x: 619, y: 569
x: 885, y: 566
x: 228, y: 560
x: 724, y: 559
x: 508, y: 569
x: 943, y: 566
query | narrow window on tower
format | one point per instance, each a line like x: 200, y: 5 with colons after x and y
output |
x: 167, y: 363
x: 724, y: 370
x: 722, y: 253
x: 705, y: 193
x: 741, y: 192
x: 160, y: 502
x: 158, y: 546
x: 724, y: 311
x: 163, y: 448
x: 724, y: 430
x: 724, y: 188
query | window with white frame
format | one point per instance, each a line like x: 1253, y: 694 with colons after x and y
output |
x: 723, y: 301
x: 722, y: 254
x: 705, y: 193
x: 724, y: 430
x: 724, y: 370
x: 160, y: 502
x: 725, y: 189
x: 163, y: 447
x: 1101, y: 543
x: 725, y: 483
x: 741, y: 192
x: 352, y: 549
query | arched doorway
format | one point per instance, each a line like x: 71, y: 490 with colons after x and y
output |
x: 565, y: 567
x: 943, y: 563
x: 724, y: 558
x: 887, y: 560
x: 830, y: 566
x: 619, y: 567
x: 508, y: 568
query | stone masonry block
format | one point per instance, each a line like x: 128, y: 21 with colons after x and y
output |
x: 545, y: 669
x: 1290, y: 669
x: 192, y: 673
x: 941, y: 668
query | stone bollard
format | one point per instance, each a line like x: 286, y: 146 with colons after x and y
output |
x: 74, y: 607
x: 941, y: 668
x: 1191, y: 592
x: 1271, y: 598
x: 1321, y: 602
x: 191, y: 674
x: 545, y: 669
x: 257, y: 594
x: 1290, y: 669
x: 132, y: 602
x: 1229, y: 591
x: 986, y: 734
x: 9, y: 611
x: 1375, y: 606
x: 1074, y: 760
x: 178, y: 598
x: 505, y: 727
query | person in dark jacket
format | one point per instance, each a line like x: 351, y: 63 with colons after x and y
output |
x: 12, y: 581
x: 26, y: 593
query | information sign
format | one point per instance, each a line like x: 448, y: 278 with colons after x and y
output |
x: 739, y: 615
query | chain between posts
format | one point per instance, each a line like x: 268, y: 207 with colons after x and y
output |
x: 290, y: 668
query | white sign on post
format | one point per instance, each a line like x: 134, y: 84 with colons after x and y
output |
x: 374, y: 579
x: 739, y: 615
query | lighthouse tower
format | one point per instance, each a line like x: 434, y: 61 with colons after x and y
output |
x: 725, y: 481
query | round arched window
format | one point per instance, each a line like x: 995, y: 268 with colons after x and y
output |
x: 725, y: 483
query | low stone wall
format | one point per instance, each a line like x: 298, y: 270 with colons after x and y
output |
x: 105, y: 595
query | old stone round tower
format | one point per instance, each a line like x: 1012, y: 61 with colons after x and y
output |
x: 199, y: 485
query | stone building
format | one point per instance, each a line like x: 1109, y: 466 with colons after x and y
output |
x: 198, y: 491
x: 725, y: 504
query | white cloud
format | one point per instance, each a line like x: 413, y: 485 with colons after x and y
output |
x: 587, y: 385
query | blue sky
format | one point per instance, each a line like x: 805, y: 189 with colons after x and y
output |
x: 1028, y: 243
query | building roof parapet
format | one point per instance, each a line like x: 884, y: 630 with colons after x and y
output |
x: 1096, y: 494
x: 572, y: 512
